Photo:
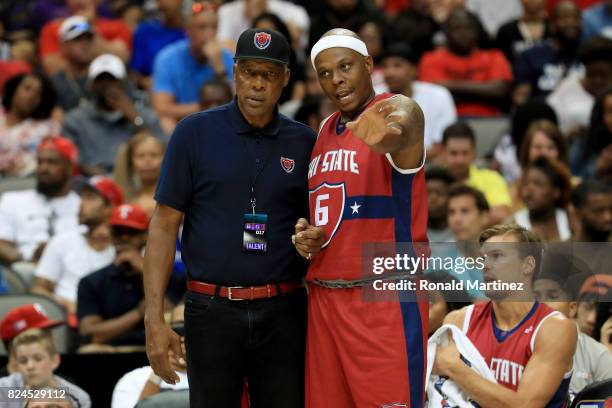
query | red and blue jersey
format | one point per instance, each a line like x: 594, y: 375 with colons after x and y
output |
x: 358, y: 196
x: 508, y: 352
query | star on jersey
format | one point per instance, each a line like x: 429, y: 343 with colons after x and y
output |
x: 355, y: 208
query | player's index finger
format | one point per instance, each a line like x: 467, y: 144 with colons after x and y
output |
x: 394, y: 117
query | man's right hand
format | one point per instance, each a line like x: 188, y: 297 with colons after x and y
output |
x: 308, y: 239
x: 160, y: 340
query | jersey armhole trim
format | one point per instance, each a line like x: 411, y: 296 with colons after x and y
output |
x: 568, y: 374
x: 466, y: 319
x: 407, y: 171
x: 535, y: 332
x: 323, y: 122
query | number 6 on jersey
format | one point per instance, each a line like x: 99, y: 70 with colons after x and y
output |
x: 328, y: 203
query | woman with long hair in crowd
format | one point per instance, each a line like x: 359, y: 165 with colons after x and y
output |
x: 542, y: 139
x: 25, y: 119
x: 137, y: 169
x: 546, y: 189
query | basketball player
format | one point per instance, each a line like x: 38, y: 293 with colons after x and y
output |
x: 366, y: 184
x: 528, y: 346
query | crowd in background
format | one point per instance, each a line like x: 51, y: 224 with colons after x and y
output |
x: 91, y: 91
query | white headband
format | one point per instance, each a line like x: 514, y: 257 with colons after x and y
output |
x: 337, y: 41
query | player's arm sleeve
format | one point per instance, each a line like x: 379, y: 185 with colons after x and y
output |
x: 87, y: 299
x: 8, y: 227
x: 162, y: 74
x: 175, y: 184
x: 50, y: 265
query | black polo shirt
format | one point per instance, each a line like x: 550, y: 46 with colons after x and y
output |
x: 109, y: 293
x: 206, y: 174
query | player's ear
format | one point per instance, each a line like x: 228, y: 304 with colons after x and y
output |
x: 529, y: 264
x: 369, y: 61
x: 573, y: 309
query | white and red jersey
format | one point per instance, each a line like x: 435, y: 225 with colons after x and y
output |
x: 508, y: 352
x: 358, y: 196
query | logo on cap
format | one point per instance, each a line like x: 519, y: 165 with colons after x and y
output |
x: 262, y: 40
x: 20, y: 325
x: 124, y: 211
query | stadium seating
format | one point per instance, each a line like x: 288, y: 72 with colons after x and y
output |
x: 16, y: 284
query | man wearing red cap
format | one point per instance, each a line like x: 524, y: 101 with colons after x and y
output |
x: 58, y: 273
x: 18, y: 320
x: 110, y: 301
x: 29, y: 218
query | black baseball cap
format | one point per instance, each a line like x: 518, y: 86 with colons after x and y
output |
x: 267, y: 45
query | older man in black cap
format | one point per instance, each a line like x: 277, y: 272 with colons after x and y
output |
x: 238, y: 175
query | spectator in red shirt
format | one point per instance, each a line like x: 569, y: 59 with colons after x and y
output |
x: 478, y: 79
x: 114, y: 36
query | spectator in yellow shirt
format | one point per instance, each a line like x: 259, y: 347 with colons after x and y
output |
x: 458, y: 154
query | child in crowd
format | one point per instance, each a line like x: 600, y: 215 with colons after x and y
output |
x: 37, y: 359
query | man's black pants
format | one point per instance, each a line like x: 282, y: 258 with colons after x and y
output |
x: 260, y: 341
